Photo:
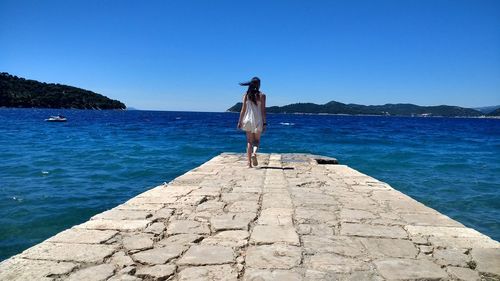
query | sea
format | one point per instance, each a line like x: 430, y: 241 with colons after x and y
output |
x: 56, y: 175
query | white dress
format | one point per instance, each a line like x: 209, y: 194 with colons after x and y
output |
x: 252, y: 120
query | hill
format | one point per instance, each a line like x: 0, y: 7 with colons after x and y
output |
x: 487, y: 109
x: 400, y: 109
x: 20, y: 92
x: 495, y: 112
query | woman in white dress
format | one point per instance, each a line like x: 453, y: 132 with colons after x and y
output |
x: 253, y: 118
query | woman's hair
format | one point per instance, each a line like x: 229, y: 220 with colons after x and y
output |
x: 253, y: 89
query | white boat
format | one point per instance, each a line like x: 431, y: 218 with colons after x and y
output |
x: 58, y: 118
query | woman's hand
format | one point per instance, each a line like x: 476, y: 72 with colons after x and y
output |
x: 239, y: 125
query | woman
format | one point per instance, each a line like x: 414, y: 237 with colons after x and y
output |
x: 253, y: 118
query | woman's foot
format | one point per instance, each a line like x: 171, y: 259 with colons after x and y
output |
x: 254, y: 159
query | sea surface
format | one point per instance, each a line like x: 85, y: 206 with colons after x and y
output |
x: 56, y: 175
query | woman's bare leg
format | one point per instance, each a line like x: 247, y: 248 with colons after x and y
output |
x: 256, y: 141
x: 249, y: 148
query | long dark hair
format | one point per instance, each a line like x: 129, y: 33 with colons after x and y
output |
x: 253, y: 89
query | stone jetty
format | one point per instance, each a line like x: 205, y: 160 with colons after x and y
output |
x: 295, y: 217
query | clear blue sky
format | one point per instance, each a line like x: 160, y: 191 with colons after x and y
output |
x: 190, y: 55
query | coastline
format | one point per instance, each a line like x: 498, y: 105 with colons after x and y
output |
x: 375, y: 115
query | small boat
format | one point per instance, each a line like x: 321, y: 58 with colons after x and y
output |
x: 58, y: 118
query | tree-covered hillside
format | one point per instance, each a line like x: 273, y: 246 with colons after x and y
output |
x: 20, y: 92
x: 334, y: 107
x: 495, y: 112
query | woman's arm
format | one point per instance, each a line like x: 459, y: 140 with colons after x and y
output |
x: 243, y: 110
x: 263, y: 109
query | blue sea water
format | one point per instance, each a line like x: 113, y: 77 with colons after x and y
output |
x: 55, y: 175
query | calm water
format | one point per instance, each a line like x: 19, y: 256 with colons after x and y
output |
x: 55, y: 175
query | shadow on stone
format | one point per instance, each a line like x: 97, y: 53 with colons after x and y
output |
x: 277, y: 168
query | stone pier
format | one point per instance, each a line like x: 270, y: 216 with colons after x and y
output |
x: 292, y: 218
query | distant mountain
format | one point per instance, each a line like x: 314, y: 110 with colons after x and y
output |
x: 495, y: 112
x: 401, y: 109
x: 487, y: 109
x: 20, y: 92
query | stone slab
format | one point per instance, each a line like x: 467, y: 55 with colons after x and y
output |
x: 231, y: 221
x: 410, y: 269
x: 271, y: 275
x: 209, y: 273
x: 187, y: 227
x: 99, y: 272
x: 86, y: 253
x: 487, y: 260
x: 120, y: 225
x: 156, y: 272
x: 277, y: 256
x: 267, y: 234
x: 159, y: 255
x: 18, y: 269
x: 367, y: 230
x: 83, y: 236
x: 207, y: 255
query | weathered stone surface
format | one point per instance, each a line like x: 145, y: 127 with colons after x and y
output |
x: 124, y: 277
x: 211, y: 206
x: 429, y: 219
x: 209, y: 273
x: 120, y: 225
x: 163, y: 214
x: 119, y: 214
x: 464, y: 242
x: 288, y: 219
x: 440, y: 231
x: 156, y: 272
x: 180, y: 239
x: 410, y: 269
x: 18, y: 269
x: 342, y: 245
x: 328, y: 262
x: 207, y: 255
x: 188, y: 227
x: 231, y: 221
x: 206, y: 191
x: 140, y: 206
x: 453, y: 257
x: 121, y: 260
x: 239, y: 196
x: 193, y: 200
x: 368, y: 230
x: 83, y: 236
x: 230, y: 238
x: 277, y: 256
x: 266, y: 234
x: 487, y: 260
x: 89, y: 253
x: 159, y: 255
x: 276, y: 200
x: 314, y: 216
x: 155, y: 228
x: 271, y: 275
x: 381, y: 247
x: 93, y: 273
x: 276, y: 216
x: 352, y: 215
x: 463, y: 274
x: 138, y: 242
x: 243, y: 207
x: 315, y: 229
